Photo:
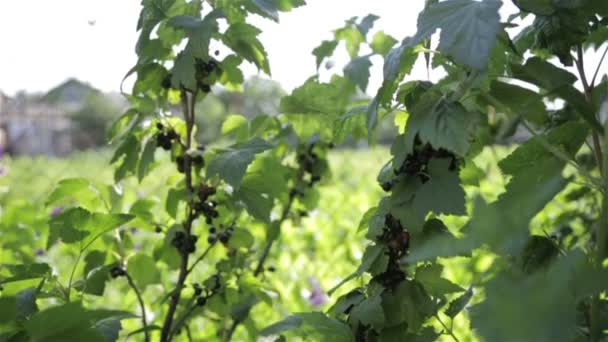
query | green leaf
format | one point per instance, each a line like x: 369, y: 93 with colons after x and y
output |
x: 24, y: 271
x: 79, y: 190
x: 79, y: 225
x: 61, y: 323
x: 440, y: 123
x: 430, y: 277
x: 199, y: 32
x: 143, y: 269
x: 408, y: 302
x: 259, y: 205
x: 147, y: 159
x: 468, y: 29
x: 458, y: 304
x: 95, y: 281
x: 269, y: 7
x: 358, y: 71
x: 367, y: 23
x: 542, y: 74
x: 538, y: 7
x: 370, y: 256
x: 382, y: 43
x: 353, y: 38
x: 442, y: 194
x: 326, y: 49
x: 241, y: 238
x: 183, y: 71
x: 542, y: 306
x: 230, y: 164
x: 369, y: 312
x: 566, y: 138
x: 242, y: 39
x: 26, y: 303
x: 327, y: 328
x: 231, y: 73
x: 521, y: 101
x: 8, y: 309
x: 315, y: 98
x: 236, y: 125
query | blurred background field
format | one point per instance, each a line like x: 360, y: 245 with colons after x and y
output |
x: 313, y: 255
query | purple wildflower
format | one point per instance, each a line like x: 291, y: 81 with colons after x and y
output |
x: 317, y: 295
x: 56, y: 211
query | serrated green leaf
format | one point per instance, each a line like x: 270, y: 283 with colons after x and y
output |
x: 538, y: 7
x: 442, y: 194
x: 430, y: 277
x: 143, y: 269
x: 458, y: 304
x: 327, y: 328
x: 440, y: 123
x: 369, y: 312
x: 79, y: 190
x: 468, y: 29
x: 315, y: 98
x: 259, y: 205
x: 241, y: 238
x: 231, y: 163
x: 382, y: 43
x: 242, y: 39
x: 358, y: 71
x: 147, y: 159
x: 352, y: 37
x: 324, y: 50
x: 521, y: 101
x: 199, y: 32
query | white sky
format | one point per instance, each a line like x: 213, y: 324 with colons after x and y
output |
x: 44, y: 42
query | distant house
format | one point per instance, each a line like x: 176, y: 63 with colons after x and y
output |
x: 40, y: 125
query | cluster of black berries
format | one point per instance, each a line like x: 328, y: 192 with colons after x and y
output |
x: 201, y: 300
x: 197, y: 161
x: 416, y: 163
x: 311, y: 164
x: 185, y: 243
x: 165, y: 137
x: 205, y: 206
x: 203, y: 70
x: 223, y: 236
x: 117, y: 271
x: 396, y: 238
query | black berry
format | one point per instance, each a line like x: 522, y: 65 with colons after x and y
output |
x: 201, y: 301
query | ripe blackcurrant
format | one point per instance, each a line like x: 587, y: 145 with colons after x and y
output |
x: 201, y: 301
x: 205, y: 88
x: 117, y: 271
x: 224, y: 238
x: 166, y: 82
x: 212, y: 239
x: 159, y: 126
x: 158, y: 229
x: 198, y: 290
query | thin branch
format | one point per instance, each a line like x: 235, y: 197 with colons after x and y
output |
x: 445, y: 327
x: 199, y: 259
x: 141, y: 306
x: 268, y: 246
x: 597, y: 69
x: 183, y: 269
x: 580, y: 66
